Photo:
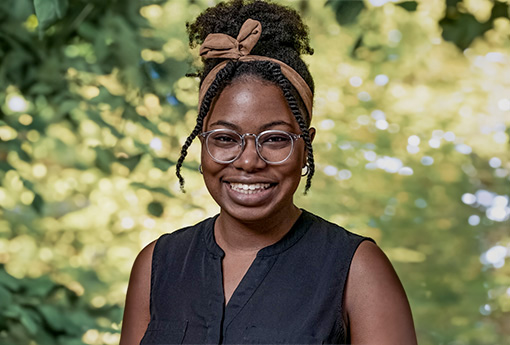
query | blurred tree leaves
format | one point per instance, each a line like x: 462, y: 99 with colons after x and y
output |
x: 410, y: 131
x: 44, y: 310
x: 459, y: 26
x: 346, y: 11
x: 462, y: 28
x: 48, y: 12
x: 79, y: 115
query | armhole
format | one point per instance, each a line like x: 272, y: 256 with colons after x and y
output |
x: 344, y: 317
x: 154, y: 268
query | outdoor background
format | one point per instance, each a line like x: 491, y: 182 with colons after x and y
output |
x: 412, y: 111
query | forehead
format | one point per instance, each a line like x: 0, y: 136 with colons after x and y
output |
x: 249, y: 105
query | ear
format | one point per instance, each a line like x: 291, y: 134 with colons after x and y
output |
x: 311, y: 130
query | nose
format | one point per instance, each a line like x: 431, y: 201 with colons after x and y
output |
x: 249, y: 160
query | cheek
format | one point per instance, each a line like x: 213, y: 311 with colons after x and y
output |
x: 292, y: 171
x: 210, y: 168
x: 301, y: 154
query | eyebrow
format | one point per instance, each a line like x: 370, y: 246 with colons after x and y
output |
x: 275, y: 123
x: 225, y: 124
x: 261, y: 128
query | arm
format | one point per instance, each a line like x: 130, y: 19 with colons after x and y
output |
x: 375, y: 301
x: 137, y: 311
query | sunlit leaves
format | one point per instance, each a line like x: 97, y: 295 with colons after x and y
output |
x: 68, y: 96
x: 459, y: 25
x: 407, y: 193
x: 94, y: 114
x: 462, y: 28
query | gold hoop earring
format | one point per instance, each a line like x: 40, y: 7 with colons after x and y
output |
x: 200, y: 169
x: 306, y: 171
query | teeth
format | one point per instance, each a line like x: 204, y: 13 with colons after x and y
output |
x: 249, y: 188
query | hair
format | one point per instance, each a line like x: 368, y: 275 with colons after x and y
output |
x: 284, y: 37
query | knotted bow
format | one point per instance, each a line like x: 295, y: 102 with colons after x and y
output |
x: 226, y: 47
x: 223, y: 46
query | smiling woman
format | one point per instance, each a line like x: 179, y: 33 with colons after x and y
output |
x: 250, y: 188
x: 263, y: 270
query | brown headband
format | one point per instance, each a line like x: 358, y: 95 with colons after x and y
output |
x: 226, y: 47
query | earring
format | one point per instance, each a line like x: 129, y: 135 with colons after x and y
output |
x: 306, y: 171
x: 200, y: 169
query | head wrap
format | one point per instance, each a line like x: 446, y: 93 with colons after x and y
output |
x: 223, y: 46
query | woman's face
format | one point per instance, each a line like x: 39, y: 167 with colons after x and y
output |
x: 253, y: 106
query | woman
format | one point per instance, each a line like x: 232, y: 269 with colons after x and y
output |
x: 262, y: 271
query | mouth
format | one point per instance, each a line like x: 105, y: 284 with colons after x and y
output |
x: 250, y: 188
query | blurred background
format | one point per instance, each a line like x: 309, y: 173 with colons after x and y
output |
x: 412, y: 112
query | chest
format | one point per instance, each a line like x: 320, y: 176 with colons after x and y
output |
x: 291, y: 293
x: 234, y: 268
x: 277, y: 299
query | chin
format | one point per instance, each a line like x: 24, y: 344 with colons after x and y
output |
x: 264, y: 202
x: 262, y: 213
x: 247, y: 216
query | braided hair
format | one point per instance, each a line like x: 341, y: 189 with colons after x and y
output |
x: 284, y: 37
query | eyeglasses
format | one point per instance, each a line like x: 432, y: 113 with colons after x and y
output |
x: 226, y: 145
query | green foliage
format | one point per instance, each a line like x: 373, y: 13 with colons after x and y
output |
x: 94, y: 107
x: 459, y: 26
x: 346, y: 11
x: 392, y: 95
x: 72, y: 86
x: 463, y: 28
x: 48, y: 12
x: 44, y: 310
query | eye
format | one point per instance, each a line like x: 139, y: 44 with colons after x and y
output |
x: 224, y: 139
x: 275, y: 139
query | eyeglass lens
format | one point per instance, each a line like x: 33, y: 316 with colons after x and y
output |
x: 273, y: 146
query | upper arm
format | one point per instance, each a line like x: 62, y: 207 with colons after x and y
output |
x: 375, y: 301
x: 137, y: 309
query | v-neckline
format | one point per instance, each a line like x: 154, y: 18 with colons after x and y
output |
x: 297, y: 230
x: 259, y: 268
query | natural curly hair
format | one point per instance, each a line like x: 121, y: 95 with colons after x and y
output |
x: 284, y: 37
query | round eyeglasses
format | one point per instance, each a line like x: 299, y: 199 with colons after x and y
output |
x: 226, y: 145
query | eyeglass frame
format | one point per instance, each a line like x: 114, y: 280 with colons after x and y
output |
x: 293, y: 136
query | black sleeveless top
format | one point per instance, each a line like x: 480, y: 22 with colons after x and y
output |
x: 291, y: 294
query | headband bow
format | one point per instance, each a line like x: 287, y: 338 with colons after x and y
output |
x: 223, y: 46
x: 226, y: 47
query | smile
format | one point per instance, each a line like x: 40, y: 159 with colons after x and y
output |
x: 249, y: 188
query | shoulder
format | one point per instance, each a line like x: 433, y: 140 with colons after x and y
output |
x: 137, y: 309
x: 189, y: 232
x: 143, y: 262
x: 375, y: 301
x: 331, y: 232
x: 147, y: 259
x: 141, y: 272
x: 369, y: 261
x: 166, y: 248
x: 176, y: 243
x: 144, y: 258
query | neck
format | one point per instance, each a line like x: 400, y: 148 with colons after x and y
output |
x: 237, y: 236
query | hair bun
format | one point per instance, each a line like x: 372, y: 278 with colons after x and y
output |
x: 283, y: 31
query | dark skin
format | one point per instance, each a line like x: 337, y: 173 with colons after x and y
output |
x: 375, y: 304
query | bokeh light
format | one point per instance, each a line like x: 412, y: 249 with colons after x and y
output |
x: 411, y: 149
